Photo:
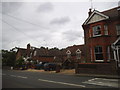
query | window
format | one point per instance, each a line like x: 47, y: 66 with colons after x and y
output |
x: 35, y: 52
x: 105, y: 29
x: 98, y: 53
x: 68, y: 54
x: 89, y: 33
x: 108, y: 52
x: 78, y: 54
x: 118, y: 29
x: 97, y: 30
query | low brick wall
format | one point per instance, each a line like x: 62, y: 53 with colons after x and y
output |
x: 97, y: 68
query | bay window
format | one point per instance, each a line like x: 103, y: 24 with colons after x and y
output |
x: 96, y: 30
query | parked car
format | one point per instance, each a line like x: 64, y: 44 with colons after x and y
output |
x: 39, y: 66
x: 49, y: 66
x: 23, y: 67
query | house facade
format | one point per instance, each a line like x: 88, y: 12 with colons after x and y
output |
x: 102, y: 37
x: 101, y: 30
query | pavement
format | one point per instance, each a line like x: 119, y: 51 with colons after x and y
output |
x: 72, y: 72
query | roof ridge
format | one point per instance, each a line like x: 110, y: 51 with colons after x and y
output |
x: 110, y: 9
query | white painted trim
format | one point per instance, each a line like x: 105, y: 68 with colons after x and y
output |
x: 68, y: 52
x: 108, y: 53
x: 97, y: 35
x: 118, y: 54
x: 78, y: 51
x: 116, y: 40
x: 91, y: 55
x: 99, y: 60
x: 115, y: 55
x: 35, y: 53
x: 97, y: 12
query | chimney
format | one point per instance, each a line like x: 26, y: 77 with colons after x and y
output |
x: 90, y: 12
x: 28, y: 50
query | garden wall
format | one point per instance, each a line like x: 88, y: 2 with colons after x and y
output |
x: 97, y: 68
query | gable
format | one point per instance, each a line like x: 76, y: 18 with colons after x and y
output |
x: 95, y: 17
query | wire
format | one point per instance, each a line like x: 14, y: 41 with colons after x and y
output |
x: 16, y: 29
x: 25, y: 21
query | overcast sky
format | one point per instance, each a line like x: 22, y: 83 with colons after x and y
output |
x: 46, y: 23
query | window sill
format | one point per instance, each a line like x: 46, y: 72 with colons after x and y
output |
x: 100, y: 36
x: 97, y: 35
x: 99, y: 60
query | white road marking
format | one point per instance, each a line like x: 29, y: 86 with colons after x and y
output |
x: 18, y: 76
x: 62, y: 83
x: 108, y: 79
x: 103, y: 82
x: 13, y: 75
x: 91, y: 79
x: 22, y: 77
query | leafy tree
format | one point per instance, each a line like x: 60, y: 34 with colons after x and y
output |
x: 20, y: 62
x: 8, y: 57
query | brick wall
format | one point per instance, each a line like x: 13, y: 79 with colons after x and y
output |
x: 97, y: 68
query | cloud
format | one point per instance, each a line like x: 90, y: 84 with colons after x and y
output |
x: 60, y: 21
x: 45, y: 7
x: 72, y: 35
x: 8, y: 7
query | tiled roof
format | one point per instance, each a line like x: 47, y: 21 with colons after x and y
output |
x: 42, y: 52
x: 74, y: 48
x: 22, y: 51
x: 112, y: 13
x: 45, y: 52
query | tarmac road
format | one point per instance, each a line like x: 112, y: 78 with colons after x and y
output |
x: 25, y: 79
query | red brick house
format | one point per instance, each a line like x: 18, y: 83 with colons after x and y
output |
x: 101, y: 30
x: 72, y: 55
x: 53, y: 55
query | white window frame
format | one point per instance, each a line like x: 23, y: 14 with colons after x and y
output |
x: 68, y: 54
x: 96, y: 30
x: 91, y: 55
x: 105, y: 29
x: 118, y: 29
x: 35, y: 52
x: 89, y: 33
x: 78, y: 54
x: 108, y: 53
x: 98, y: 53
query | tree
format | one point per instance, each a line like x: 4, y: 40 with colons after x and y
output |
x: 8, y: 57
x: 20, y: 62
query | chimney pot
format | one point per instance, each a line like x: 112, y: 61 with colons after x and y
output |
x: 90, y: 11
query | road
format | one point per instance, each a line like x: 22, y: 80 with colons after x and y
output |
x: 26, y: 79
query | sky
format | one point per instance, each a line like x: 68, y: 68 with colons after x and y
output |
x: 48, y: 23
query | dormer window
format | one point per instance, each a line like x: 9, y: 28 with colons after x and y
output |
x: 68, y: 54
x: 96, y: 30
x: 78, y: 53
